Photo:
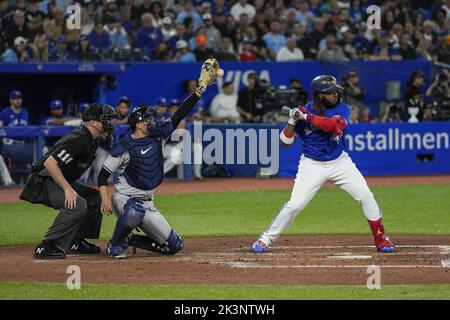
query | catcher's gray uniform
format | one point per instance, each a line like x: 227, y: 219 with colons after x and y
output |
x: 154, y: 224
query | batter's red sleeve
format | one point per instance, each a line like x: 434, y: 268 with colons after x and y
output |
x: 332, y: 125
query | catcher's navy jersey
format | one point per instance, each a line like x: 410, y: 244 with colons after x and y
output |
x: 320, y: 145
x: 144, y: 169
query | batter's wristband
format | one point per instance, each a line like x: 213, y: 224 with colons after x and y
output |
x: 286, y: 137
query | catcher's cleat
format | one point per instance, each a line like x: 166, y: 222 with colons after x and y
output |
x: 82, y: 246
x: 48, y: 250
x: 259, y: 246
x: 115, y: 252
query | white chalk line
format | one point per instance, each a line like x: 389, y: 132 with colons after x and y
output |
x: 332, y: 266
x: 441, y: 247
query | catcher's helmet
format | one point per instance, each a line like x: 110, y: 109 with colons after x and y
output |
x: 140, y: 113
x: 102, y: 113
x: 325, y: 84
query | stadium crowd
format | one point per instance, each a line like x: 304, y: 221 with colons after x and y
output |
x: 185, y: 31
x: 189, y: 31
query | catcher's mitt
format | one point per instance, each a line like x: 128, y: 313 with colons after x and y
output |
x: 209, y: 72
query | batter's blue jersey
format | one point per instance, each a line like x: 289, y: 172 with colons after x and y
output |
x: 320, y: 145
x: 12, y: 119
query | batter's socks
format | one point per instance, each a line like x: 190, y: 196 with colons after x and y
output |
x: 379, y: 235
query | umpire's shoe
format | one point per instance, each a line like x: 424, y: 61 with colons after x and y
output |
x: 48, y: 250
x: 82, y: 246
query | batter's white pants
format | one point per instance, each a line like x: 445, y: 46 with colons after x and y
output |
x: 4, y: 172
x: 310, y: 177
x: 95, y: 167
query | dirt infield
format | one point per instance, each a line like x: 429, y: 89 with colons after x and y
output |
x: 242, y: 184
x: 294, y: 260
x: 228, y: 260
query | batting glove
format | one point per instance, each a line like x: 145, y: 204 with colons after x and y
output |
x: 296, y: 114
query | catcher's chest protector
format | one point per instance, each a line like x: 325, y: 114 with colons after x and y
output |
x: 145, y: 169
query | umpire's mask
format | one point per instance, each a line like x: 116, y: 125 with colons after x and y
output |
x: 102, y: 113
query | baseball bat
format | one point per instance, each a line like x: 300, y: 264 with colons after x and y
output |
x: 285, y: 109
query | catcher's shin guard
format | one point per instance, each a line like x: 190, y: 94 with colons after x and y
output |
x: 171, y: 246
x: 144, y: 242
x: 131, y: 217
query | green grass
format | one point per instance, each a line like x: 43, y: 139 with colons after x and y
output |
x: 219, y: 292
x: 413, y: 209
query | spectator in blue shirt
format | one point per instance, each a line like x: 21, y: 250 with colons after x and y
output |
x: 44, y: 5
x: 384, y: 50
x: 15, y: 115
x: 148, y: 36
x: 19, y: 52
x: 83, y: 52
x: 304, y: 15
x: 99, y: 39
x: 61, y: 51
x: 361, y: 43
x: 189, y: 11
x: 220, y: 7
x: 183, y: 54
x: 180, y: 34
x: 117, y: 35
x: 274, y: 39
x: 356, y: 12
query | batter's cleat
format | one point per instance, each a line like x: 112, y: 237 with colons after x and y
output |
x: 115, y: 252
x: 386, y: 246
x: 82, y: 246
x: 259, y: 246
x: 48, y: 250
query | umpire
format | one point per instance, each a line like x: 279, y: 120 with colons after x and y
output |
x: 52, y: 182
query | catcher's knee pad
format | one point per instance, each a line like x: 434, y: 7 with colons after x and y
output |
x: 133, y: 213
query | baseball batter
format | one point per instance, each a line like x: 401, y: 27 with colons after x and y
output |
x: 321, y: 125
x: 139, y: 160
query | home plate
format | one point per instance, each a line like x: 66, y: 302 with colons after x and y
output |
x: 445, y: 263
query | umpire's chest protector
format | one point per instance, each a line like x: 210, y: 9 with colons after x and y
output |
x: 145, y: 170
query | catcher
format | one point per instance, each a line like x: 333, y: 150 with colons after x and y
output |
x: 138, y: 159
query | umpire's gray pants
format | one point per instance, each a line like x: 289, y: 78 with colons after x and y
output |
x: 83, y: 221
x: 154, y: 225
